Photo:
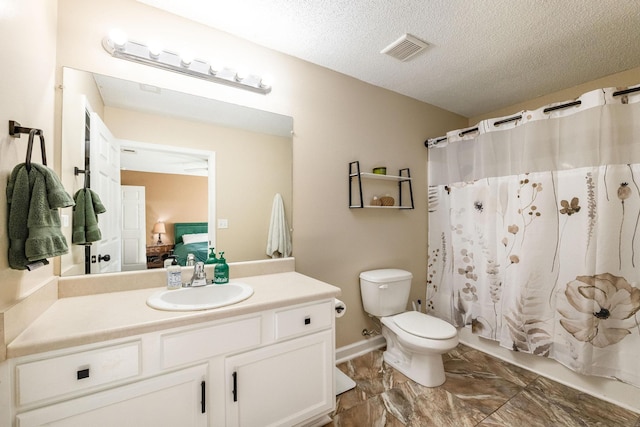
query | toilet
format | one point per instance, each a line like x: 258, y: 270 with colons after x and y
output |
x: 415, y: 341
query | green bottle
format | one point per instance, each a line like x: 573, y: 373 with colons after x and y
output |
x: 212, y: 257
x: 221, y: 271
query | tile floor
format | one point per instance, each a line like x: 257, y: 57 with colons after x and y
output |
x: 480, y: 391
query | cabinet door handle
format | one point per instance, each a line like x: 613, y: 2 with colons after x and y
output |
x: 307, y: 320
x: 82, y: 373
x: 203, y: 402
x: 235, y: 386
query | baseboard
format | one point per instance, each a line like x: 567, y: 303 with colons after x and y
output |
x: 359, y: 348
x: 318, y: 422
x: 616, y: 392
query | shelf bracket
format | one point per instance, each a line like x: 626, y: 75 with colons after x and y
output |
x: 354, y: 172
x: 406, y: 174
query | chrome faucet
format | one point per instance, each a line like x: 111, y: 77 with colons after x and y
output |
x: 199, y: 277
x: 191, y: 260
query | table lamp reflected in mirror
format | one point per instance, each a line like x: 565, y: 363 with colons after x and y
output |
x: 159, y: 228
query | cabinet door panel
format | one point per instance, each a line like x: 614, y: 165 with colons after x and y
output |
x: 282, y: 384
x: 168, y: 400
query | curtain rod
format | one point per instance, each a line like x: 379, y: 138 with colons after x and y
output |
x: 626, y: 91
x: 562, y: 106
x: 546, y: 110
x: 498, y: 123
x: 512, y: 119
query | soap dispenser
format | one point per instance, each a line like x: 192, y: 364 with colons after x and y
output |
x: 221, y: 271
x: 169, y: 259
x: 174, y: 275
x: 212, y: 257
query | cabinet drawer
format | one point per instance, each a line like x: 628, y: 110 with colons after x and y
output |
x: 60, y: 375
x: 172, y: 399
x: 203, y: 343
x: 305, y: 319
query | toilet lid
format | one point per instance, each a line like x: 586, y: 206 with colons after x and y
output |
x: 425, y: 326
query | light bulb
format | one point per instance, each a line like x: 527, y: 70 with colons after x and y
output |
x: 186, y: 58
x: 155, y: 50
x: 266, y: 81
x: 214, y: 67
x: 241, y: 74
x: 118, y: 37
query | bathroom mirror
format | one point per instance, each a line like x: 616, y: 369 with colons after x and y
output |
x: 252, y: 152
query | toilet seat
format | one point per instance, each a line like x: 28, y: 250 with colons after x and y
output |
x: 425, y: 326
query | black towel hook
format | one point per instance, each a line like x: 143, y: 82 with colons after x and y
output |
x: 77, y: 171
x: 15, y: 129
x: 32, y: 133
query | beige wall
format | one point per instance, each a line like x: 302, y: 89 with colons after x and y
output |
x: 27, y: 89
x: 338, y: 120
x: 161, y: 191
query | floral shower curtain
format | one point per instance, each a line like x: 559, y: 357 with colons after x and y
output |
x: 534, y: 232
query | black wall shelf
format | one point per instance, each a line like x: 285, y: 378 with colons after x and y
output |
x: 356, y: 178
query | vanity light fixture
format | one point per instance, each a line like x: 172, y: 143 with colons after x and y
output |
x: 118, y: 46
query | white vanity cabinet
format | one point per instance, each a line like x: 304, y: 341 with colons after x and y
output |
x: 281, y: 360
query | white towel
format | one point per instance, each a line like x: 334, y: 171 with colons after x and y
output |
x: 279, y: 240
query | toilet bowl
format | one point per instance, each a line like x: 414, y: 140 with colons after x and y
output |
x: 415, y: 344
x: 415, y: 341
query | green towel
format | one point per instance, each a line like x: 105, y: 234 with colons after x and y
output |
x: 85, y: 217
x: 18, y: 211
x: 33, y: 220
x: 56, y: 194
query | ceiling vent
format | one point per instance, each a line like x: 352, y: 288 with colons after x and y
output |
x: 405, y: 48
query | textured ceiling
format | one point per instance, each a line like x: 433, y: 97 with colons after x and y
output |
x: 484, y: 55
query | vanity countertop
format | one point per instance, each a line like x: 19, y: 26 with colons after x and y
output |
x: 89, y: 319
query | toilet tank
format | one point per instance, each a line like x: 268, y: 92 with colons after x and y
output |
x: 385, y: 292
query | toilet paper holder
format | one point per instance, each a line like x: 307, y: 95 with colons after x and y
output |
x: 339, y: 307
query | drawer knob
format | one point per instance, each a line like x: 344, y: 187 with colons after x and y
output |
x: 307, y: 320
x: 83, y: 373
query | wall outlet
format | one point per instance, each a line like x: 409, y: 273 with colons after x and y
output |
x: 223, y: 223
x: 65, y: 220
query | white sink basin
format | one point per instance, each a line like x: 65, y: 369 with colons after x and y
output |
x: 200, y: 298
